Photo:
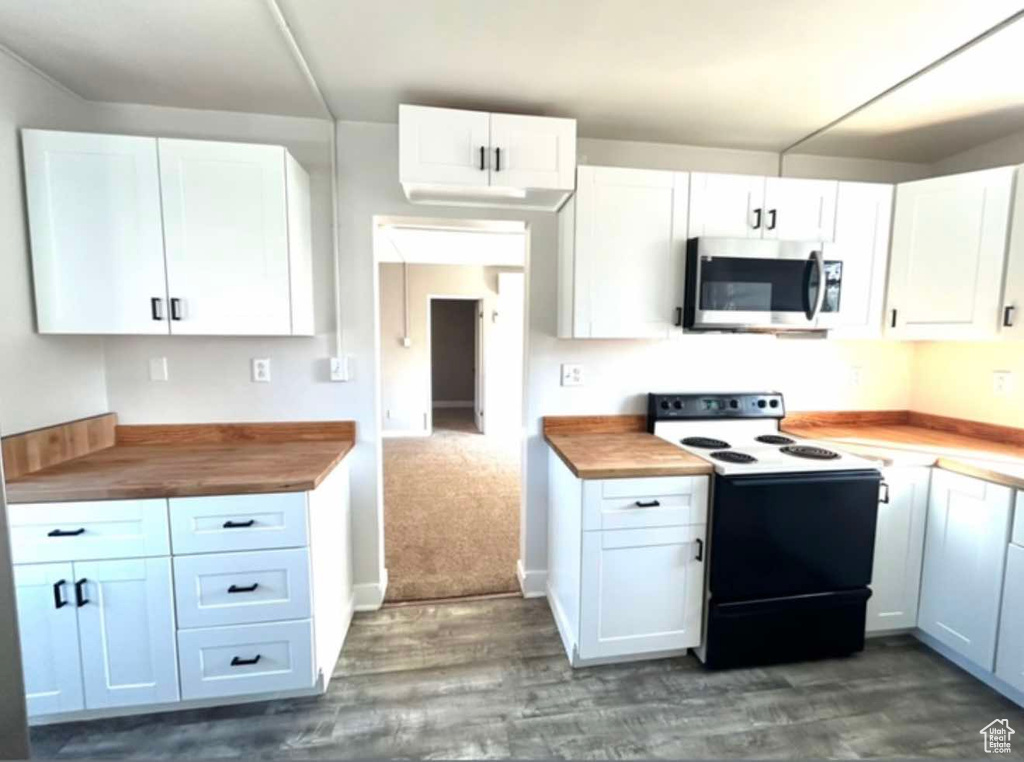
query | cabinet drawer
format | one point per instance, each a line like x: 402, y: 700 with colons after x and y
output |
x: 251, y: 658
x: 242, y: 588
x: 238, y: 522
x: 644, y: 503
x: 91, y: 531
x: 1018, y: 520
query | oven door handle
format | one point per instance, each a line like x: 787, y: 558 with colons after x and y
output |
x: 815, y: 260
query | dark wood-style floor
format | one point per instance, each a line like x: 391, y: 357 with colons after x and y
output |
x: 489, y: 679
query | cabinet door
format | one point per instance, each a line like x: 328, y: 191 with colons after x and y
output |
x: 532, y: 152
x: 800, y: 210
x: 226, y: 237
x: 948, y: 245
x: 126, y: 628
x: 899, y: 547
x: 49, y: 638
x: 628, y: 264
x: 642, y: 591
x: 1011, y: 317
x: 863, y: 218
x: 1010, y: 658
x: 441, y: 145
x: 729, y: 206
x: 97, y: 238
x: 964, y: 556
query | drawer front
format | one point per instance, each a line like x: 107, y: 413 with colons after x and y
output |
x: 645, y: 503
x: 247, y: 659
x: 238, y: 522
x: 1018, y: 520
x: 242, y: 588
x: 90, y: 531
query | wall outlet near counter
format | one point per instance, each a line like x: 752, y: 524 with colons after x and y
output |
x: 261, y: 370
x: 1002, y: 382
x: 341, y: 368
x: 572, y: 375
x: 853, y: 377
x: 158, y: 369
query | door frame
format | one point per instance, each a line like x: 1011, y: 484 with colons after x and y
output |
x: 479, y: 358
x: 379, y: 223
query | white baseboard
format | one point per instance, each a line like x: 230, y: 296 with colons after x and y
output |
x: 370, y: 596
x: 533, y: 583
x: 453, y: 403
x: 404, y: 433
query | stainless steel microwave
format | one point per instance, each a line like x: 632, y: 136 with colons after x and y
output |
x: 752, y: 284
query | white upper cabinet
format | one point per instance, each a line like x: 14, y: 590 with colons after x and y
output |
x: 726, y: 206
x: 965, y: 554
x: 1011, y: 317
x: 948, y: 248
x: 151, y: 235
x: 443, y: 145
x: 800, y: 210
x: 226, y: 235
x: 750, y: 206
x: 899, y: 547
x: 97, y: 240
x: 863, y: 220
x: 475, y: 158
x: 622, y: 252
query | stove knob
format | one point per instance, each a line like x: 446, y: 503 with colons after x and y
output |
x: 677, y: 405
x: 734, y: 404
x: 761, y: 403
x: 664, y: 404
x: 774, y: 403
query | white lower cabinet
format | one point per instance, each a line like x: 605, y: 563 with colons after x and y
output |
x: 255, y: 658
x: 642, y: 591
x: 965, y: 553
x: 899, y: 547
x: 1010, y: 656
x: 97, y: 634
x: 626, y: 564
x: 126, y: 631
x: 48, y: 626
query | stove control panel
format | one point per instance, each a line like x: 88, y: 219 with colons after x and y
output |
x: 678, y: 407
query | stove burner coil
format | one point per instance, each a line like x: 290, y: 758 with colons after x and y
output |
x: 706, y: 442
x: 775, y: 439
x: 807, y: 451
x: 731, y: 456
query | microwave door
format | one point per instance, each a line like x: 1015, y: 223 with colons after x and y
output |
x: 770, y: 285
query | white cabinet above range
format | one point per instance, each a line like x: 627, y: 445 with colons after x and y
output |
x: 751, y: 206
x: 140, y: 235
x: 475, y: 158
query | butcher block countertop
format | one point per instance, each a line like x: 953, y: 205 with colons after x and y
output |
x: 617, y: 447
x: 985, y: 451
x: 112, y: 462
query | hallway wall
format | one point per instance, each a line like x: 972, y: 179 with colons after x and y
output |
x: 452, y: 351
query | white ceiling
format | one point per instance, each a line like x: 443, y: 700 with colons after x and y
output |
x: 735, y: 73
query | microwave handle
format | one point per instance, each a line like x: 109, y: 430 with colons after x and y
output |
x: 818, y: 260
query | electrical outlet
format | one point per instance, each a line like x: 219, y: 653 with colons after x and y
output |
x: 406, y: 342
x: 158, y: 369
x: 572, y: 375
x: 1002, y: 381
x: 854, y: 376
x: 261, y: 370
x: 341, y: 368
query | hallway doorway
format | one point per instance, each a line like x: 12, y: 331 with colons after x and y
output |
x: 451, y: 386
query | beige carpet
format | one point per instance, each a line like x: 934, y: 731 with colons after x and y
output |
x: 451, y: 512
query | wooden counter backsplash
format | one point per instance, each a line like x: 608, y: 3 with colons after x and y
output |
x: 42, y: 448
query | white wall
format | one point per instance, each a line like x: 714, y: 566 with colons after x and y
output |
x: 43, y: 379
x: 997, y: 153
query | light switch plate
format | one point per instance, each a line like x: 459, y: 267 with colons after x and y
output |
x: 572, y: 375
x: 854, y: 376
x: 341, y: 368
x: 261, y: 370
x: 1002, y: 381
x: 157, y: 368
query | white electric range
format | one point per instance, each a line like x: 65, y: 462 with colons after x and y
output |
x: 739, y: 434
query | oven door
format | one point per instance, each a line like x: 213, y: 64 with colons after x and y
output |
x: 737, y: 283
x: 779, y: 535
